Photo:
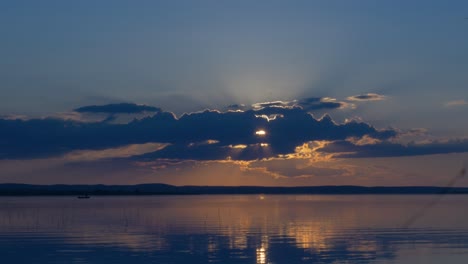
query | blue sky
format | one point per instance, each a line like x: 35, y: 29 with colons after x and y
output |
x: 187, y: 56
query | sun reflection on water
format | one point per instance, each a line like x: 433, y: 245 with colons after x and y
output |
x: 261, y: 255
x: 262, y: 251
x: 227, y: 229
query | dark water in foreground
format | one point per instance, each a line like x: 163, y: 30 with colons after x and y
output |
x: 233, y: 229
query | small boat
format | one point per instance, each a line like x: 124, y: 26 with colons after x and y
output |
x: 84, y: 196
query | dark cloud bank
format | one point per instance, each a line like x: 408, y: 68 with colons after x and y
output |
x: 367, y: 97
x: 388, y: 149
x: 207, y: 135
x: 191, y: 136
x: 308, y: 104
x: 121, y: 108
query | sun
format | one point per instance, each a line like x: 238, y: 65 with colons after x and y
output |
x: 260, y: 132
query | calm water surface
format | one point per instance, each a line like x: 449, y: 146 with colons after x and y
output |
x: 233, y: 229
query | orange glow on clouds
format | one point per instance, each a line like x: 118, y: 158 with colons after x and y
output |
x: 260, y: 132
x: 240, y: 146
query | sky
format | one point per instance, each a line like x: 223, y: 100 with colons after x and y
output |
x: 276, y: 93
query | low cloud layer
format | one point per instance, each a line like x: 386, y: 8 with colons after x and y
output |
x: 186, y: 136
x: 309, y: 104
x: 367, y: 97
x: 122, y: 108
x: 269, y: 130
x: 354, y: 149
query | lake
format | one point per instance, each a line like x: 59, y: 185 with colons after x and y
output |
x: 235, y: 229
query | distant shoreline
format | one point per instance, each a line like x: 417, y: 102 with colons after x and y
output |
x: 10, y: 189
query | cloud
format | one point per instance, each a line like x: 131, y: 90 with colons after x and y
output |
x: 308, y: 104
x: 317, y: 103
x: 126, y: 108
x: 14, y: 117
x: 456, y: 103
x: 297, y: 168
x: 290, y: 132
x: 120, y: 152
x: 20, y: 139
x: 283, y: 134
x: 367, y: 97
x: 353, y: 149
x: 365, y: 140
x: 282, y: 104
x: 236, y: 107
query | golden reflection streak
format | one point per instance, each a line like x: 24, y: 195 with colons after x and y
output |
x: 261, y: 255
x: 310, y: 236
x: 243, y: 215
x: 262, y: 251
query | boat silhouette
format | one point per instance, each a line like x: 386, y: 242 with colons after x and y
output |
x: 84, y: 196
